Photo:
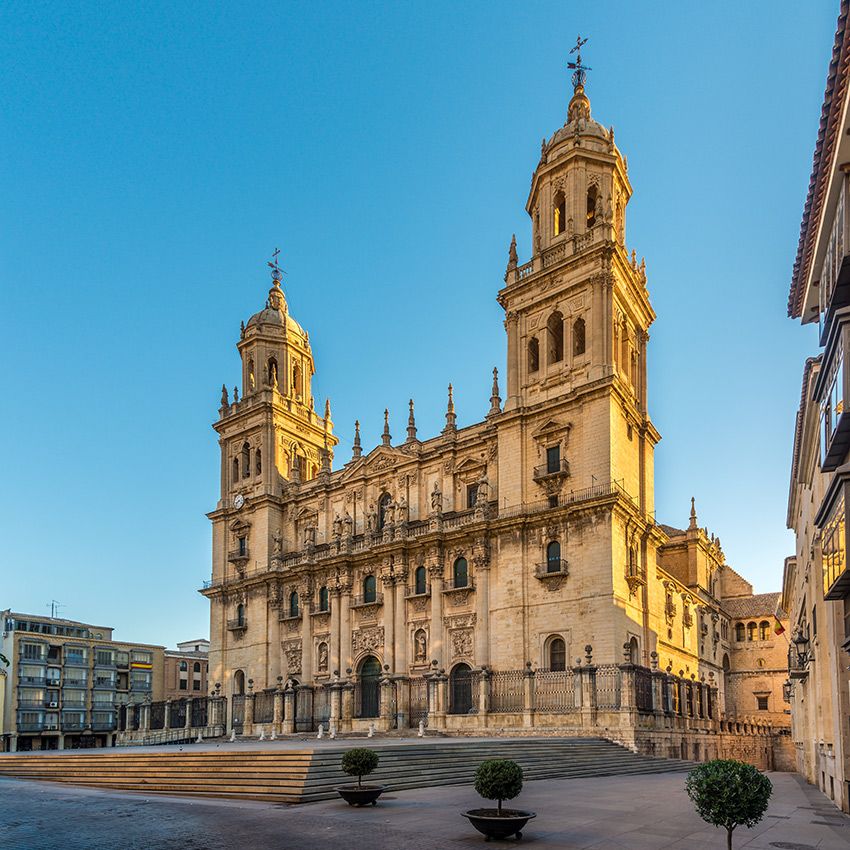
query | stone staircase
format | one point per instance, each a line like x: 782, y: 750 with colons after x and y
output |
x: 286, y: 775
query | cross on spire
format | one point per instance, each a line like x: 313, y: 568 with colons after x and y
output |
x: 277, y: 271
x: 579, y: 70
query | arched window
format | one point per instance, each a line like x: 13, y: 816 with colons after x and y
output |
x: 555, y: 328
x: 293, y: 604
x: 764, y: 630
x: 258, y: 462
x: 634, y: 568
x: 240, y: 614
x: 557, y: 654
x: 634, y: 651
x: 460, y: 689
x: 533, y: 354
x: 235, y: 469
x: 271, y: 369
x: 592, y: 203
x: 296, y: 379
x: 324, y: 599
x: 383, y: 504
x: 196, y: 667
x: 246, y: 460
x: 238, y: 682
x: 739, y: 632
x: 460, y: 573
x: 420, y: 582
x: 559, y: 214
x: 579, y: 340
x: 751, y: 631
x: 251, y: 380
x: 370, y: 589
x: 184, y: 667
x: 553, y: 557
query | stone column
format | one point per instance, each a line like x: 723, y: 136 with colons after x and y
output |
x: 145, y: 715
x: 402, y: 639
x: 335, y: 659
x: 336, y: 704
x: 588, y: 690
x: 528, y: 696
x: 166, y: 723
x: 439, y: 680
x: 288, y: 710
x: 402, y: 700
x: 484, y: 695
x: 482, y: 614
x: 306, y: 643
x: 386, y: 701
x: 248, y: 722
x: 436, y: 571
x: 628, y: 697
x: 345, y: 658
x: 512, y: 329
x: 278, y: 707
x: 389, y: 621
x: 188, y: 724
x: 347, y: 706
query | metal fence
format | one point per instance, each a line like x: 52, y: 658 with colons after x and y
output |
x: 200, y: 712
x: 264, y: 707
x: 555, y: 690
x: 177, y: 717
x: 303, y: 708
x: 608, y: 686
x: 643, y: 689
x: 321, y: 706
x: 506, y: 691
x: 157, y: 715
x: 418, y: 700
x: 238, y: 711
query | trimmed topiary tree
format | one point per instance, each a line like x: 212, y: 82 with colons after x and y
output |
x: 359, y: 762
x: 729, y: 793
x: 498, y: 779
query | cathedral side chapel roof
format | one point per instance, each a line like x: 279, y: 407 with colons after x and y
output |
x: 758, y: 605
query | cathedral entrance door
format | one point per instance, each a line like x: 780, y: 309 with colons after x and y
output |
x: 460, y: 681
x: 370, y: 675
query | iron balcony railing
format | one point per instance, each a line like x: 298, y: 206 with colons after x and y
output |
x: 547, y: 470
x: 554, y: 567
x: 237, y: 625
x: 451, y: 584
x: 372, y: 599
x: 412, y: 590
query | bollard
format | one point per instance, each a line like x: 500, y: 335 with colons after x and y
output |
x: 233, y: 736
x: 421, y: 733
x: 371, y: 731
x: 321, y: 732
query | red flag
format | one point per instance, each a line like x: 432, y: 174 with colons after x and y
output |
x: 778, y: 627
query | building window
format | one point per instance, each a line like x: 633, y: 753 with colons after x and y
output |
x: 557, y: 654
x: 296, y: 379
x: 553, y: 557
x: 235, y: 469
x: 258, y: 462
x: 592, y: 202
x: 419, y: 580
x: 762, y: 703
x: 246, y: 460
x: 555, y: 328
x: 460, y: 573
x: 559, y: 214
x: 751, y: 631
x: 764, y: 630
x: 324, y: 601
x: 240, y: 614
x: 242, y: 545
x: 814, y: 620
x: 184, y: 684
x: 370, y: 589
x: 272, y: 372
x: 740, y: 632
x: 471, y: 496
x: 553, y: 459
x: 579, y: 342
x: 533, y: 354
x: 293, y: 604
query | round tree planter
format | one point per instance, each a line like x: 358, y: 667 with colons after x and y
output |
x: 360, y: 795
x: 493, y: 825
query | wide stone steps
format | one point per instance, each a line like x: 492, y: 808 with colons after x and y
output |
x: 290, y: 776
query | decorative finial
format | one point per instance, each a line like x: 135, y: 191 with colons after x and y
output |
x: 495, y: 398
x: 356, y: 450
x: 327, y: 411
x: 224, y: 400
x: 277, y: 271
x: 386, y: 438
x: 451, y: 419
x: 236, y: 395
x: 411, y: 424
x: 326, y: 455
x: 579, y: 107
x: 241, y: 329
x: 276, y: 300
x: 579, y: 70
x: 693, y: 523
x: 512, y: 255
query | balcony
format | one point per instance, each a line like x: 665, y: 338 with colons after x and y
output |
x: 365, y: 602
x: 552, y: 470
x: 104, y: 725
x: 240, y: 557
x: 38, y: 726
x: 34, y: 680
x: 73, y: 725
x: 831, y: 519
x: 452, y: 585
x: 30, y: 705
x: 286, y: 617
x: 237, y: 625
x: 557, y: 567
x: 76, y: 661
x: 71, y: 682
x: 411, y: 592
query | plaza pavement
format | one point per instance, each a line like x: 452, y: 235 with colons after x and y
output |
x: 648, y: 812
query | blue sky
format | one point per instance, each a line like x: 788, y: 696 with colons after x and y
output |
x: 153, y: 155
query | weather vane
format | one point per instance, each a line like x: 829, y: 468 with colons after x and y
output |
x: 579, y: 70
x: 277, y: 271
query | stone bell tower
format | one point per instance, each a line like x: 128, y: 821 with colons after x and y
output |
x: 577, y: 313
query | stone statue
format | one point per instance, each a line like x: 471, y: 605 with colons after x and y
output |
x: 437, y: 499
x: 348, y: 523
x: 277, y: 543
x: 372, y: 518
x: 337, y: 527
x: 273, y: 373
x: 389, y: 513
x: 598, y: 210
x: 323, y: 656
x: 401, y: 510
x: 483, y: 490
x: 421, y: 647
x: 310, y: 535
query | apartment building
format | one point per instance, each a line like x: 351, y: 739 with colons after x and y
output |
x: 186, y: 669
x: 67, y: 682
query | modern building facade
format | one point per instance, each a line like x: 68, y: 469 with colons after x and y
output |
x: 185, y: 669
x: 520, y: 542
x: 67, y: 682
x: 816, y: 583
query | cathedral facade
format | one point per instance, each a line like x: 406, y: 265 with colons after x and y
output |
x: 523, y: 542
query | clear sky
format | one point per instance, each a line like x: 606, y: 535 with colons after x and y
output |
x: 154, y: 154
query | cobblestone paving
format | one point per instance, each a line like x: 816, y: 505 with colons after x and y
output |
x: 602, y: 813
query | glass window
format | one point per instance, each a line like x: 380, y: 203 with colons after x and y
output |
x: 557, y: 654
x: 184, y: 684
x: 553, y: 459
x: 33, y: 651
x: 460, y: 573
x: 141, y: 656
x: 833, y: 544
x: 751, y: 631
x: 76, y: 655
x: 196, y: 667
x: 420, y: 580
x: 370, y: 589
x: 553, y: 557
x: 293, y: 604
x: 104, y: 657
x: 762, y: 703
x: 740, y: 632
x: 196, y: 685
x: 324, y: 600
x: 184, y: 667
x: 471, y: 495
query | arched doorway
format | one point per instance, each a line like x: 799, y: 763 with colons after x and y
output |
x: 370, y: 675
x: 460, y: 690
x: 239, y: 682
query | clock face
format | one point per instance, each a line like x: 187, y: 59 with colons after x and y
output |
x: 238, y: 501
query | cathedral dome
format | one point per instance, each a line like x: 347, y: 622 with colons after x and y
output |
x: 275, y: 313
x: 579, y: 123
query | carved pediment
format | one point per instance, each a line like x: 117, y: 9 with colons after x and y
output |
x: 240, y: 527
x: 470, y: 469
x: 551, y: 428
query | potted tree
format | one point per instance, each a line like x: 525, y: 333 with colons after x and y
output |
x: 729, y: 793
x: 498, y: 779
x: 360, y: 762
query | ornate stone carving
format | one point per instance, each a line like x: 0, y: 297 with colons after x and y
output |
x: 367, y: 640
x: 292, y: 654
x: 459, y: 597
x: 459, y: 621
x: 461, y: 642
